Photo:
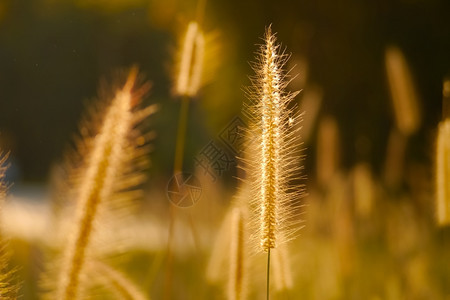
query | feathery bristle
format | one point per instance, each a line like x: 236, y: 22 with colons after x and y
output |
x: 111, y: 149
x: 273, y: 156
x: 404, y: 96
x: 443, y: 173
x: 191, y: 62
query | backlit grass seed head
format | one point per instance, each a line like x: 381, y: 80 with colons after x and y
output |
x: 273, y: 156
x: 190, y: 69
x: 443, y: 173
x: 404, y: 97
x: 110, y: 154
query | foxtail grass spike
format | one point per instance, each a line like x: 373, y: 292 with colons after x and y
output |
x: 111, y: 152
x: 190, y: 67
x: 273, y: 154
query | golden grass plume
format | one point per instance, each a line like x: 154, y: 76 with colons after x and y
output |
x: 272, y: 161
x: 112, y: 154
x: 190, y: 66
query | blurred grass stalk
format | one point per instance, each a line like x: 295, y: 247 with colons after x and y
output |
x: 405, y: 102
x: 443, y: 162
x: 188, y: 82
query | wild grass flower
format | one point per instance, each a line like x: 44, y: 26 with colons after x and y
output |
x: 112, y: 163
x: 190, y: 66
x: 273, y: 155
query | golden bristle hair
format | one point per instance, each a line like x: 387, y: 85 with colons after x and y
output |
x: 113, y: 154
x: 443, y: 173
x: 404, y: 97
x: 191, y: 58
x: 272, y: 159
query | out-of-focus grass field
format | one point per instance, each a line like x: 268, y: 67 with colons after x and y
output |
x: 369, y: 214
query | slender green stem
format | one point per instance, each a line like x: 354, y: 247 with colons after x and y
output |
x: 178, y: 167
x: 181, y: 135
x: 268, y: 274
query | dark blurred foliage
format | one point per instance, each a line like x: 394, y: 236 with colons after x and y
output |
x: 54, y: 53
